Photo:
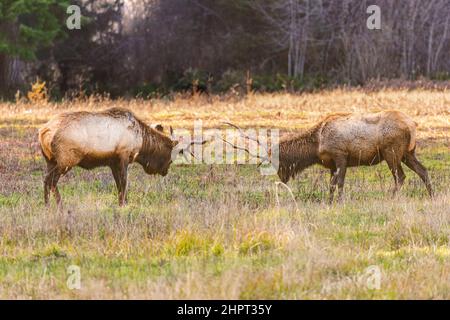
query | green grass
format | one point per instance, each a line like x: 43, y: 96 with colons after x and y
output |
x: 217, y: 232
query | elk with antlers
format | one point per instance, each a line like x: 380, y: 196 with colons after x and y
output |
x: 113, y: 138
x: 348, y: 140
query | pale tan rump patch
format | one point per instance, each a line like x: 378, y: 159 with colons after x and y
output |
x: 45, y: 143
x: 46, y: 135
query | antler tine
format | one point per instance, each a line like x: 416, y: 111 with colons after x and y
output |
x: 246, y: 150
x: 242, y: 132
x: 186, y: 148
x: 195, y: 142
x: 202, y: 142
x: 246, y: 136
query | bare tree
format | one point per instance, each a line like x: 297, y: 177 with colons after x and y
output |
x: 163, y: 45
x: 292, y: 32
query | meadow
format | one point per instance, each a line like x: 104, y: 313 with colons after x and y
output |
x: 224, y: 231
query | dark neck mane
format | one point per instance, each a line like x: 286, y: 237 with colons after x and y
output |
x: 297, y: 152
x: 153, y: 141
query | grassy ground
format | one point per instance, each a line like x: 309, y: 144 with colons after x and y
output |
x: 217, y: 231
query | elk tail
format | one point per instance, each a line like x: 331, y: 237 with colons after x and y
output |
x: 45, y: 142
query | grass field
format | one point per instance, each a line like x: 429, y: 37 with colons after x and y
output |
x: 217, y: 231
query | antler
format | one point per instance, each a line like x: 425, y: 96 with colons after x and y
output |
x: 245, y: 149
x: 242, y: 132
x: 182, y: 147
x: 190, y: 144
x: 199, y: 142
x: 247, y: 137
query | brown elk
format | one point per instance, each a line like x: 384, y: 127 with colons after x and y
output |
x: 113, y: 138
x: 348, y: 140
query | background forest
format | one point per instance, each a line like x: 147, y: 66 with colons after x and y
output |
x: 151, y: 47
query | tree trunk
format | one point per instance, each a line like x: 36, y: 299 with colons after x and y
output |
x: 430, y: 50
x: 10, y: 76
x: 4, y: 76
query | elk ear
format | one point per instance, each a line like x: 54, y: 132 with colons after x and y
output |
x: 159, y: 127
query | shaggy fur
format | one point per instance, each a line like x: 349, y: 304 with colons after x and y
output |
x: 113, y: 138
x: 346, y: 140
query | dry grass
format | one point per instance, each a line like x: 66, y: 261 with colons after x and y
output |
x: 429, y: 108
x: 217, y: 231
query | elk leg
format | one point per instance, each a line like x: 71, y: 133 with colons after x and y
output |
x: 50, y: 183
x: 396, y: 169
x: 398, y: 174
x: 116, y: 175
x: 123, y: 181
x: 413, y: 163
x: 333, y: 182
x: 120, y: 172
x: 47, y: 184
x: 341, y: 170
x: 56, y: 191
x: 339, y: 176
x: 117, y: 178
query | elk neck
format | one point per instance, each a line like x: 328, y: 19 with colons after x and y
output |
x: 153, y: 143
x: 299, y: 151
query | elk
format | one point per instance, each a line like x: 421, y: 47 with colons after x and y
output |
x: 348, y: 140
x: 113, y: 138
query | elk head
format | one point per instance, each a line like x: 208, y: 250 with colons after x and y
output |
x: 159, y: 150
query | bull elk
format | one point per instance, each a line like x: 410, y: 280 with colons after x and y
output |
x: 113, y: 138
x: 349, y: 140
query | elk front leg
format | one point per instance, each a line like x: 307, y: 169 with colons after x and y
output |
x: 120, y: 173
x: 341, y: 169
x: 333, y: 181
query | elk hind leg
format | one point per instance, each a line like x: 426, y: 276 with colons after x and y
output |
x: 50, y: 183
x: 413, y: 163
x: 394, y: 164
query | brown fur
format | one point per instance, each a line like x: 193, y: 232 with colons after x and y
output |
x: 346, y: 140
x: 71, y: 139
